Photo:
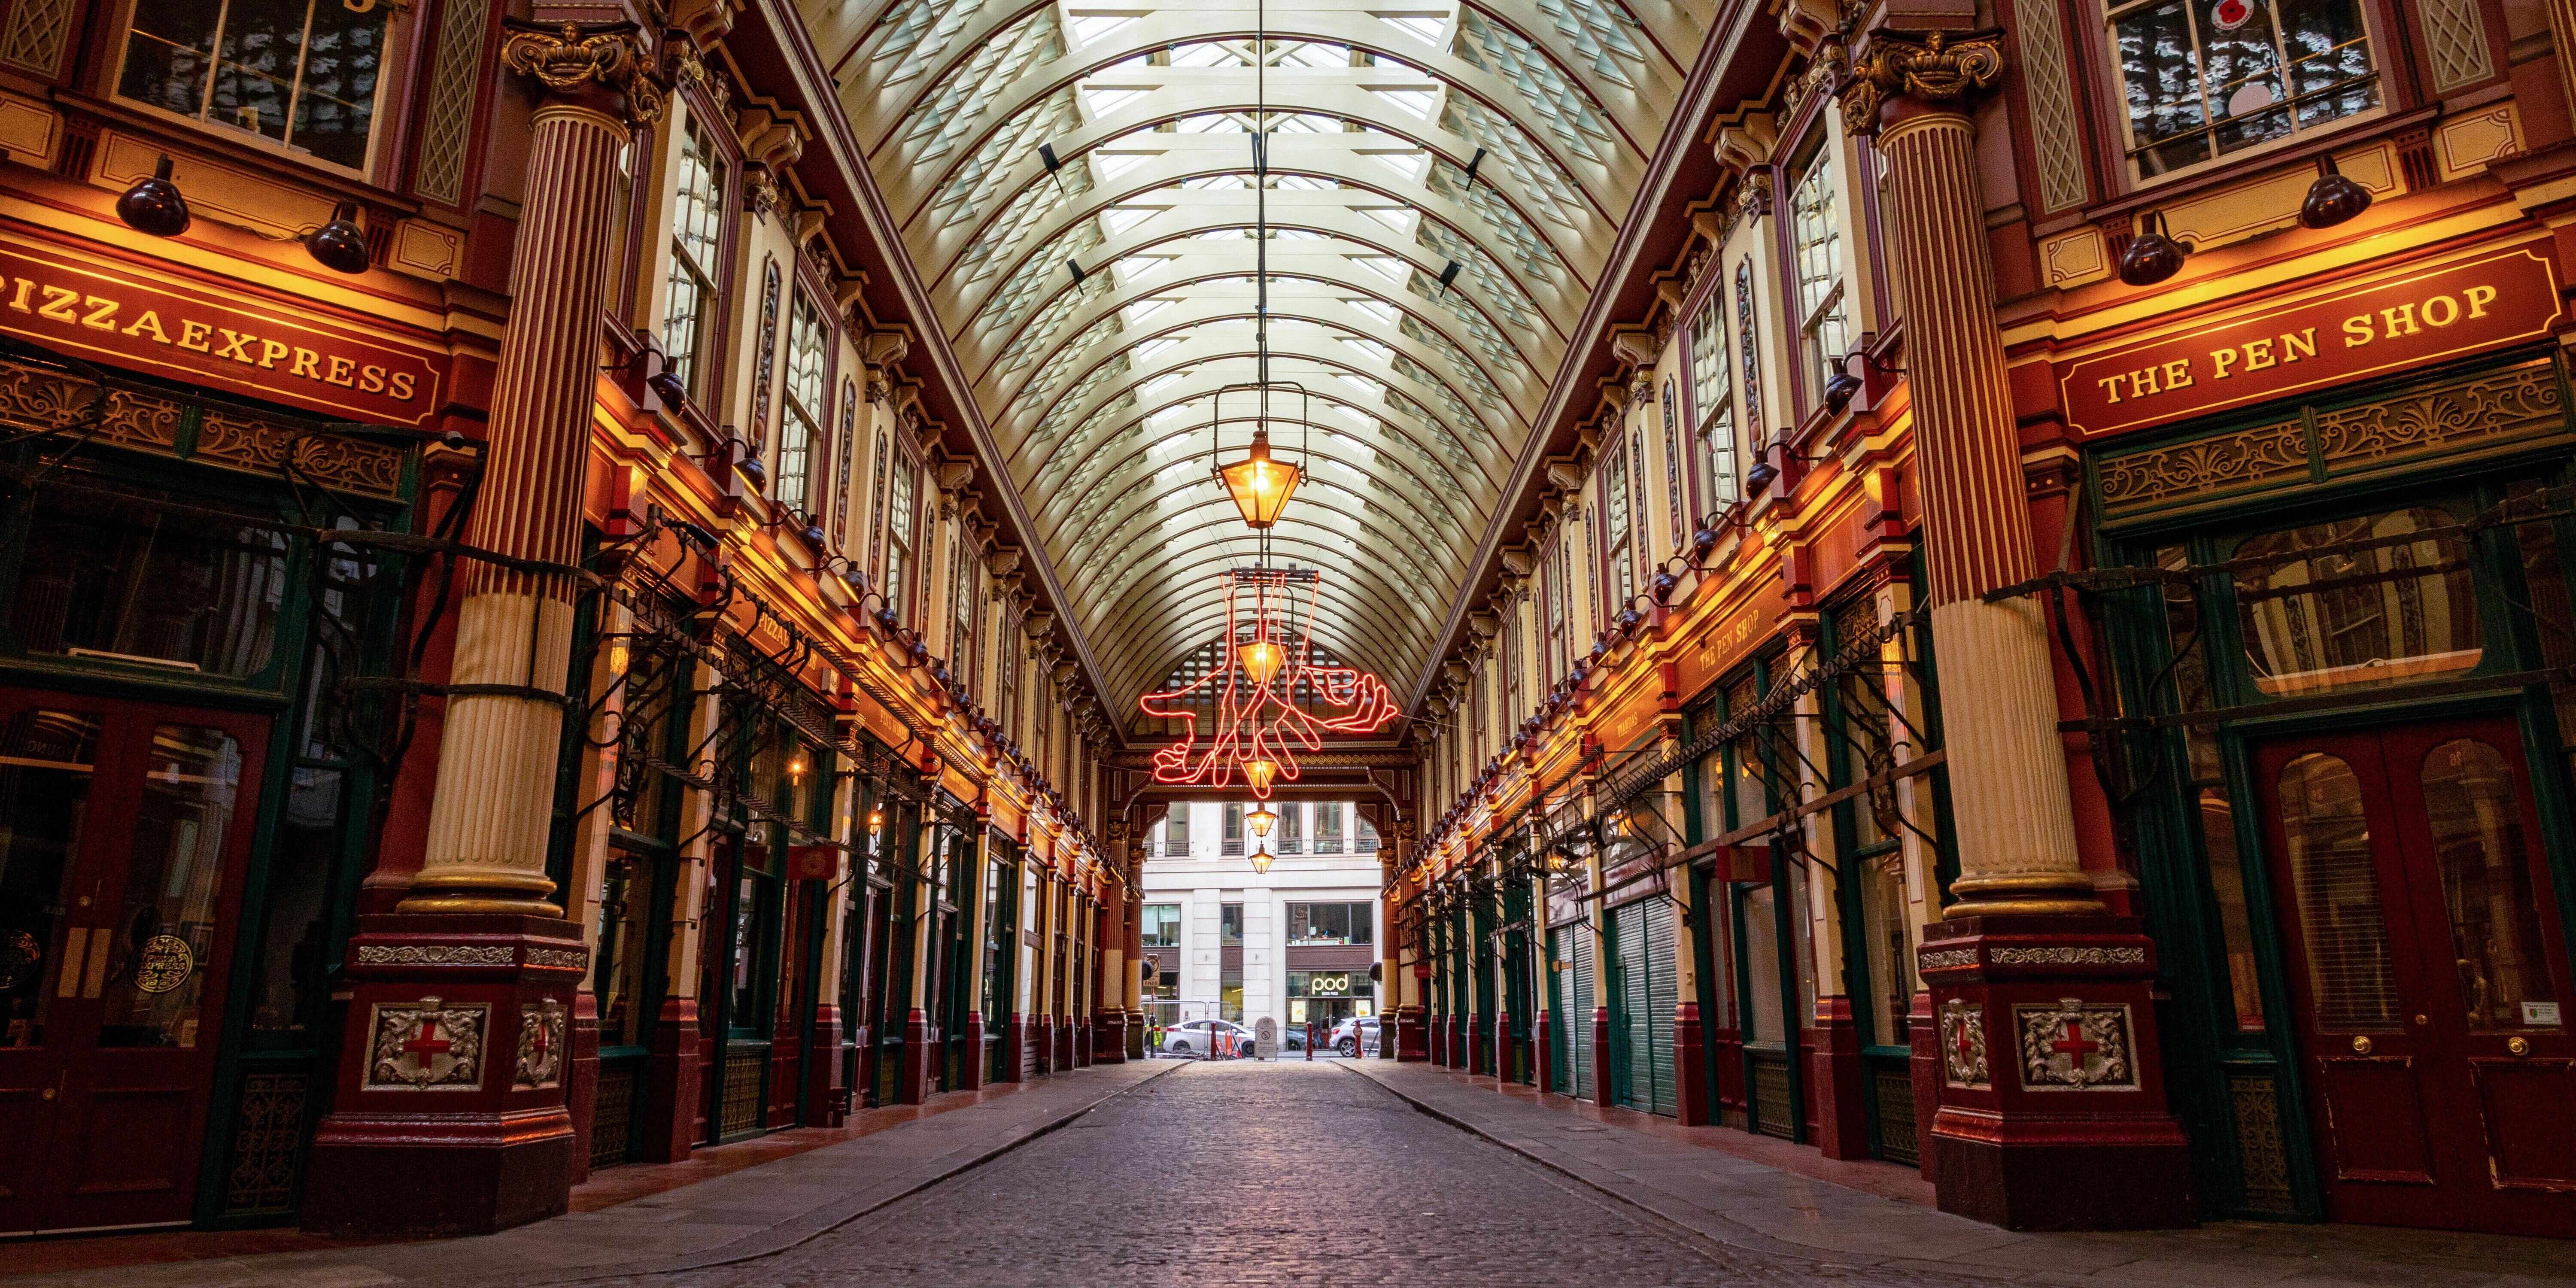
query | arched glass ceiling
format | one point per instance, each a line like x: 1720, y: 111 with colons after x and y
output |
x: 1074, y: 184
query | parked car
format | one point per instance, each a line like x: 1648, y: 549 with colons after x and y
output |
x: 1195, y: 1037
x: 1354, y: 1036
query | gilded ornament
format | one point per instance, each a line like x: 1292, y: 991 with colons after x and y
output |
x: 1935, y: 66
x: 570, y: 57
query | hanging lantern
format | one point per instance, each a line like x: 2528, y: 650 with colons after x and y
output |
x: 1261, y: 659
x: 796, y: 766
x: 1261, y: 819
x: 1261, y: 861
x: 1260, y: 771
x: 1267, y: 696
x: 1259, y: 485
x: 876, y: 821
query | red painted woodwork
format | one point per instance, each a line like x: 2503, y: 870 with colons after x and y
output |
x: 502, y: 1146
x: 1109, y: 1037
x: 1412, y: 1042
x: 2039, y: 1155
x: 1926, y: 1068
x: 1601, y: 1056
x: 827, y: 1101
x: 1015, y: 1049
x: 2424, y: 1110
x: 1837, y: 1084
x: 1546, y: 1064
x: 976, y: 1060
x: 919, y: 1075
x: 1726, y: 1056
x: 1477, y: 1062
x: 581, y: 1079
x: 104, y: 1097
x: 673, y: 1125
x: 1690, y: 1071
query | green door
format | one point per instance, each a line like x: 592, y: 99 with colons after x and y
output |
x: 1642, y: 996
x: 1578, y: 1026
x: 1663, y: 995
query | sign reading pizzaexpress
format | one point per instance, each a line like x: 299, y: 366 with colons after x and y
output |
x: 106, y: 313
x: 2392, y: 324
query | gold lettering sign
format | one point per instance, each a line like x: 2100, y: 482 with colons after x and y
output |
x: 100, y: 311
x: 2411, y: 320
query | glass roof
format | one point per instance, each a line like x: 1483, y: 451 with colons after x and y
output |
x: 1075, y: 187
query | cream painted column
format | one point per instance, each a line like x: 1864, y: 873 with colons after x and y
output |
x: 690, y: 936
x: 493, y: 806
x: 2011, y: 809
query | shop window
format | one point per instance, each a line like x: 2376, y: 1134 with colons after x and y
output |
x: 2485, y: 861
x: 303, y: 858
x: 124, y: 578
x: 2335, y: 881
x: 1862, y: 728
x: 2215, y: 804
x: 1233, y: 839
x: 690, y: 315
x: 1160, y: 925
x: 2202, y: 81
x: 2322, y: 614
x: 1230, y: 992
x: 1229, y: 923
x: 801, y: 420
x: 304, y: 75
x: 1816, y: 241
x: 1762, y: 1017
x: 1367, y: 833
x: 1312, y: 924
x: 617, y: 979
x: 173, y: 878
x: 1712, y: 402
x: 1176, y: 830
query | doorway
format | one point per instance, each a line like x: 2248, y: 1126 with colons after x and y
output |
x: 121, y: 872
x: 2429, y: 966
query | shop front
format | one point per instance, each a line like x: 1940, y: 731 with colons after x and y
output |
x: 2352, y: 668
x: 1573, y: 970
x: 186, y: 782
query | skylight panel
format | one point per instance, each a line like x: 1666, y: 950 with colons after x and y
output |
x: 1399, y: 218
x: 1089, y: 25
x: 1303, y: 183
x: 1114, y: 164
x: 1370, y: 347
x: 1379, y: 309
x: 1168, y: 378
x: 1359, y: 382
x: 1217, y: 183
x: 1210, y: 53
x: 1211, y: 123
x: 1418, y: 100
x: 1143, y: 309
x: 1425, y: 27
x: 1118, y: 219
x: 1411, y: 164
x: 1105, y: 99
x: 1386, y: 266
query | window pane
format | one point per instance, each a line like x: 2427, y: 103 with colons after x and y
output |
x: 46, y: 762
x: 2358, y: 619
x: 166, y: 935
x: 2227, y: 886
x: 1762, y: 963
x: 695, y: 229
x: 2337, y: 887
x: 335, y: 98
x: 2485, y: 861
x: 302, y: 859
x: 124, y: 577
x: 807, y: 335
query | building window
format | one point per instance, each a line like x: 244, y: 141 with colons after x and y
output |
x: 1229, y: 926
x: 1161, y: 926
x: 1616, y: 531
x: 1713, y: 403
x: 900, y: 518
x: 1313, y: 924
x: 2198, y: 89
x: 302, y: 74
x: 1328, y: 828
x: 1559, y: 577
x: 696, y: 231
x: 964, y: 585
x: 800, y: 426
x: 1176, y: 830
x: 1816, y: 239
x: 1233, y: 840
x: 1292, y: 829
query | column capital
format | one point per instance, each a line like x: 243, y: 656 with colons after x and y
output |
x: 583, y: 59
x: 1936, y: 68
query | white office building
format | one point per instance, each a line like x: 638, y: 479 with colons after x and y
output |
x: 1267, y: 949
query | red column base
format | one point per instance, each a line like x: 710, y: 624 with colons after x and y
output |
x: 1541, y: 1051
x: 2052, y: 1092
x: 978, y: 1061
x: 1926, y: 1067
x: 581, y: 1083
x: 672, y: 1083
x: 1015, y: 1049
x: 1042, y: 1041
x: 1837, y: 1081
x: 1109, y: 1037
x: 1078, y: 1041
x: 1601, y: 1055
x: 1690, y: 1068
x: 1476, y: 1062
x: 1412, y: 1040
x: 921, y: 1054
x: 450, y: 1115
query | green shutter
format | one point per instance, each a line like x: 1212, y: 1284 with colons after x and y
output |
x: 1579, y: 1015
x: 1634, y: 1021
x: 1663, y: 997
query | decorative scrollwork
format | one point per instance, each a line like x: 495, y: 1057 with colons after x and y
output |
x: 572, y: 56
x: 1935, y: 66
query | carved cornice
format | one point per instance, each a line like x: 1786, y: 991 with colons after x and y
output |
x: 1939, y: 67
x: 571, y: 58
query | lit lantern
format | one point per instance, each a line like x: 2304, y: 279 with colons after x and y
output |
x: 796, y: 766
x: 1261, y: 820
x: 1260, y: 771
x: 1261, y: 861
x: 876, y: 821
x: 1261, y: 660
x: 1259, y: 485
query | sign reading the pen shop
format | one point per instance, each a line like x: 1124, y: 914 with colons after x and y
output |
x: 112, y: 315
x: 2414, y: 319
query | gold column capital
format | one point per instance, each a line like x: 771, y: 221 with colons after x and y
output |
x: 1936, y: 67
x: 582, y: 58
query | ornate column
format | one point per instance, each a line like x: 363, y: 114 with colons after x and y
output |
x: 1109, y: 1007
x: 450, y: 1114
x: 976, y: 1063
x: 920, y: 1030
x: 2052, y: 1101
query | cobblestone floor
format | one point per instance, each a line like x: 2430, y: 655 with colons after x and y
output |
x: 1262, y: 1174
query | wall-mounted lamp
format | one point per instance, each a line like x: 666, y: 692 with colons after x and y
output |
x: 2152, y: 256
x: 339, y: 245
x: 153, y: 205
x: 1844, y: 386
x: 2332, y: 199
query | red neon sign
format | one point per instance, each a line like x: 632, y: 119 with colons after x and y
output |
x: 1266, y: 654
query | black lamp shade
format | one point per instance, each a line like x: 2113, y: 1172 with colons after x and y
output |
x: 752, y: 471
x: 154, y: 205
x: 339, y: 245
x: 1840, y: 390
x: 2152, y: 256
x: 2332, y: 199
x: 1759, y: 476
